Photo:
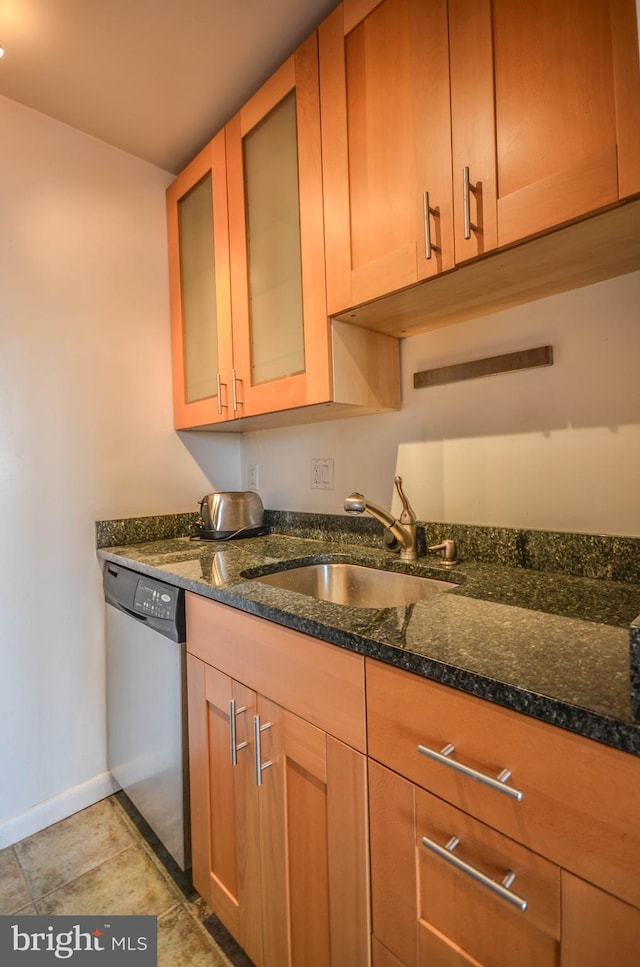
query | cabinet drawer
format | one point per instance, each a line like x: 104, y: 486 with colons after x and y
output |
x: 580, y: 799
x: 317, y: 681
x: 529, y: 929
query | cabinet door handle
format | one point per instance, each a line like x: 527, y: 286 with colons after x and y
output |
x: 467, y: 188
x: 219, y: 385
x: 501, y: 887
x: 235, y: 748
x: 234, y: 390
x: 499, y: 783
x: 257, y: 735
x: 428, y: 247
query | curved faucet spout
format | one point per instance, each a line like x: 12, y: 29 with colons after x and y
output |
x: 358, y: 504
x: 402, y: 529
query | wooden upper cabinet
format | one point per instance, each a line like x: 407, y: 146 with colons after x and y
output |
x: 555, y: 87
x: 281, y: 335
x: 200, y: 288
x: 384, y: 72
x: 512, y: 117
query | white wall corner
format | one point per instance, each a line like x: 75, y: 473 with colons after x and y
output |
x: 59, y: 807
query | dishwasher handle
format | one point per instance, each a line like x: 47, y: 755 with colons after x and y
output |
x: 133, y: 614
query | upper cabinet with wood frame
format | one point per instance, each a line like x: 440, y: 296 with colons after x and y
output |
x: 281, y: 332
x: 386, y: 138
x: 545, y: 104
x: 200, y: 288
x: 453, y: 128
x: 268, y: 350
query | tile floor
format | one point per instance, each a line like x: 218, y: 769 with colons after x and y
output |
x: 106, y: 860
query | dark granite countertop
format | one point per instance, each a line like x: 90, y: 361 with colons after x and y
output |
x: 550, y: 645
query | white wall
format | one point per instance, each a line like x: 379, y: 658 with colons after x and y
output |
x: 85, y: 434
x: 550, y: 448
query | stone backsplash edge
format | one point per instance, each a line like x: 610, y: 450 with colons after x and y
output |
x: 599, y: 556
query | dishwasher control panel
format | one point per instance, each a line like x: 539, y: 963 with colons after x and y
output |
x: 155, y: 599
x: 158, y: 605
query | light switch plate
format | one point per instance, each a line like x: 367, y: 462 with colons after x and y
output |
x: 322, y: 473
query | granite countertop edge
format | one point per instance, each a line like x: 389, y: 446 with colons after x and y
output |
x: 350, y: 630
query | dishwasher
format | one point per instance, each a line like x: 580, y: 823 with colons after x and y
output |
x: 146, y: 702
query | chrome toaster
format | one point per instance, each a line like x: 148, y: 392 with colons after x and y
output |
x: 230, y: 514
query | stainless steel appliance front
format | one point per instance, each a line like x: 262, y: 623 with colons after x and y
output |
x: 146, y: 713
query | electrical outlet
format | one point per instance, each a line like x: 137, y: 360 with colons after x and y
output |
x: 322, y: 473
x: 252, y: 473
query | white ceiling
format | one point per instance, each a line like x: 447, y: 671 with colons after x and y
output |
x: 156, y: 78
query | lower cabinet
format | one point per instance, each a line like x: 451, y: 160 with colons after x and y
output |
x: 471, y: 836
x: 279, y: 801
x: 448, y: 916
x: 597, y: 928
x: 452, y: 890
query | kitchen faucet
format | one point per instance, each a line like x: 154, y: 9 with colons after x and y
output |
x: 402, y: 528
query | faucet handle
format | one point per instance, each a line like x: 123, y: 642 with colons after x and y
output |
x: 407, y: 516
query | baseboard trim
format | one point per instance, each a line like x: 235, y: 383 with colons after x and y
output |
x: 59, y: 807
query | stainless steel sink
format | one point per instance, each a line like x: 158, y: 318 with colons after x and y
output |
x: 355, y: 585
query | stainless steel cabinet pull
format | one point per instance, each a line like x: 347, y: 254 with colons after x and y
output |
x: 499, y: 783
x: 234, y: 390
x: 257, y: 735
x: 219, y: 385
x: 233, y: 711
x: 428, y: 247
x: 467, y: 188
x: 500, y: 887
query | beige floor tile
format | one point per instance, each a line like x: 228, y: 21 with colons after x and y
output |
x: 71, y: 847
x: 14, y: 892
x: 98, y: 863
x: 125, y: 884
x: 182, y: 942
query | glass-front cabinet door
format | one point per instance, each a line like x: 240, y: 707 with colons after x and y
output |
x: 280, y: 325
x: 200, y: 290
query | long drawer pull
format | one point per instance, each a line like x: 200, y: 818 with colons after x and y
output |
x: 499, y: 783
x: 500, y: 887
x: 235, y: 748
x: 257, y: 735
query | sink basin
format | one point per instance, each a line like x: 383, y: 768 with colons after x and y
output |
x: 355, y: 585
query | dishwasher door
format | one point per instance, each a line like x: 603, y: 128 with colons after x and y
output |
x: 146, y: 725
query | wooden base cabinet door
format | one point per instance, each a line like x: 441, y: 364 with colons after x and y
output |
x: 326, y: 833
x: 386, y: 134
x: 279, y: 827
x: 268, y: 780
x: 428, y: 913
x: 224, y: 805
x: 597, y: 928
x: 498, y: 907
x: 394, y: 897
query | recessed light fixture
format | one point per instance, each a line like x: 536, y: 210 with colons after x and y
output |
x: 1, y: 51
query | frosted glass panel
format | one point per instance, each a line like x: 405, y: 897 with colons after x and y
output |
x: 273, y: 245
x: 197, y: 275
